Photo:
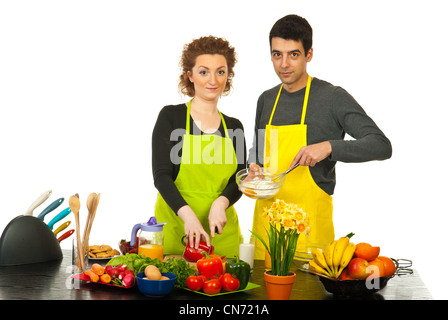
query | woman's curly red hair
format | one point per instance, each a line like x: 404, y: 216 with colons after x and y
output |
x: 205, y: 45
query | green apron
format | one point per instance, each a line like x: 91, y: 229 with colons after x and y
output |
x: 207, y: 164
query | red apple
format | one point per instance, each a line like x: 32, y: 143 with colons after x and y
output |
x: 357, y: 268
x: 344, y: 275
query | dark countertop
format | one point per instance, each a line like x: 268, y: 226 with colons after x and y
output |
x: 52, y: 281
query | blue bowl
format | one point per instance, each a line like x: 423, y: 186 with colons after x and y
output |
x: 156, y: 288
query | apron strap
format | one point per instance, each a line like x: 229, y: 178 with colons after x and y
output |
x: 224, y: 125
x: 187, y: 124
x: 305, y: 101
x: 275, y: 104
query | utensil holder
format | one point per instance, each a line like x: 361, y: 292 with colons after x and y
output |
x: 26, y: 240
x: 77, y: 264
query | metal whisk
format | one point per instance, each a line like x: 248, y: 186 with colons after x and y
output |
x: 278, y: 177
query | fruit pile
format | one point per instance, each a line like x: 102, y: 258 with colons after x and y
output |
x: 343, y: 260
x: 125, y: 246
x: 366, y: 262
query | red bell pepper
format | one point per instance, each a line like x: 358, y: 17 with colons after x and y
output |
x: 210, y: 265
x: 193, y: 255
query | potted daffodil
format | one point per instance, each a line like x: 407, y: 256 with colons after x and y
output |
x: 286, y: 222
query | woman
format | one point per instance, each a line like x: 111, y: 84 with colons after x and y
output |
x: 196, y: 152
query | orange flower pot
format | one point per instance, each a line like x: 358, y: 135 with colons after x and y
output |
x: 279, y: 287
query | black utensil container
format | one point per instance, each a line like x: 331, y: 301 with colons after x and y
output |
x: 26, y: 240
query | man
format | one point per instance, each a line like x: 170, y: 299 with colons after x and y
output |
x: 304, y: 120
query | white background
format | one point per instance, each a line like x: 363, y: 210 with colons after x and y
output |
x: 82, y: 82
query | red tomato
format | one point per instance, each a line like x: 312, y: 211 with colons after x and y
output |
x: 194, y: 283
x: 229, y: 283
x: 212, y: 286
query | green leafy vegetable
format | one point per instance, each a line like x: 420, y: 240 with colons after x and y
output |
x: 127, y: 259
x: 181, y: 268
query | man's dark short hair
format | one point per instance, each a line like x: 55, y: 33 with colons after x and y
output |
x: 293, y: 27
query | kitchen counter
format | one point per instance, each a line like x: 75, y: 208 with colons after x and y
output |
x: 52, y: 281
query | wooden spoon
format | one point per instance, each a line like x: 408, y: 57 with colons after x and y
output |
x: 95, y: 204
x: 95, y: 201
x: 74, y: 205
x: 90, y: 203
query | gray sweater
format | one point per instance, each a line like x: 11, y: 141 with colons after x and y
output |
x: 331, y: 113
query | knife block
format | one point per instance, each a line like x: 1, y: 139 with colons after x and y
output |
x: 26, y: 240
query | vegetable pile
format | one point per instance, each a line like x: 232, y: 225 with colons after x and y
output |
x: 210, y: 276
x: 119, y: 276
x: 138, y: 263
x: 214, y: 277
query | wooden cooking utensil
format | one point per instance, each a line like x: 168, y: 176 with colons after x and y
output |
x: 90, y: 204
x: 74, y: 205
x: 95, y: 202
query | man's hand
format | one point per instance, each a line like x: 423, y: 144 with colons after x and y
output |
x: 312, y: 154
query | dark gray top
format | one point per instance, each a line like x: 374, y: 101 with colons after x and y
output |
x: 331, y: 113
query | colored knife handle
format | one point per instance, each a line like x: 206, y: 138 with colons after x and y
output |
x: 50, y: 208
x: 60, y: 216
x: 66, y: 235
x: 62, y: 227
x: 37, y: 202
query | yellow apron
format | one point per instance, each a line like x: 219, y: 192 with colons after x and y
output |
x: 207, y: 163
x: 281, y: 146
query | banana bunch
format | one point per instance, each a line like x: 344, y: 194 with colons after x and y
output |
x: 334, y: 258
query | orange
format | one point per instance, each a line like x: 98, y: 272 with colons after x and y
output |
x: 389, y: 266
x: 366, y: 251
x: 374, y: 271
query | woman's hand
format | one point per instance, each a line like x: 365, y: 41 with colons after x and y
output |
x: 193, y: 227
x: 254, y: 170
x: 217, y: 218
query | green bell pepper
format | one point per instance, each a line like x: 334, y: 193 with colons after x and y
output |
x: 239, y: 269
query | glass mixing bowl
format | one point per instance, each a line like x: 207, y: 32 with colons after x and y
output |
x: 260, y: 186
